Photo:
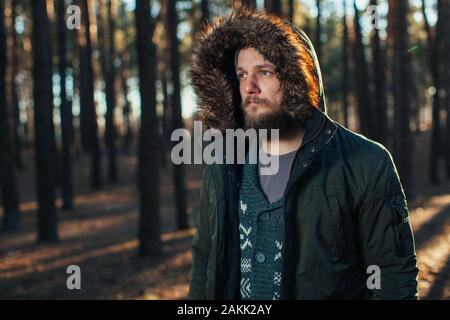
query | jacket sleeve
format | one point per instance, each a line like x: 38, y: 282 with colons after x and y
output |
x: 201, y: 244
x: 386, y: 236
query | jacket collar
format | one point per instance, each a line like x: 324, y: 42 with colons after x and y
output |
x: 318, y: 123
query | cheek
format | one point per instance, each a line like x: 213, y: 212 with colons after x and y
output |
x: 242, y: 90
x: 275, y: 93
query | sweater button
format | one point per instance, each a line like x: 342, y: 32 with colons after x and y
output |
x: 264, y: 216
x: 260, y: 257
x: 328, y: 131
x: 312, y: 149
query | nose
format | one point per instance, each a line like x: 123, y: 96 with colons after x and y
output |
x: 250, y: 85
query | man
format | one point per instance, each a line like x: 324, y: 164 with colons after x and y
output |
x: 334, y: 213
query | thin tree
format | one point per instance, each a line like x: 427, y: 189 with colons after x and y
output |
x: 9, y: 195
x: 88, y: 117
x: 273, y: 6
x: 163, y: 73
x: 124, y: 73
x: 318, y: 29
x: 43, y: 123
x: 65, y: 111
x: 446, y: 59
x: 179, y: 176
x: 345, y: 65
x: 378, y: 69
x: 250, y: 4
x: 291, y: 10
x: 148, y: 167
x: 111, y: 130
x: 166, y: 117
x: 361, y: 78
x: 205, y: 10
x: 433, y: 58
x: 13, y: 87
x: 126, y: 108
x: 398, y: 29
x: 106, y: 45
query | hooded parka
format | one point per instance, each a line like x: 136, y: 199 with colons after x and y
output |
x: 346, y: 213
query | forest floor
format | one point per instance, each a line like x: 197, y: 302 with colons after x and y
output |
x: 99, y: 236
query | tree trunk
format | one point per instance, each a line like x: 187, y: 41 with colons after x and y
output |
x: 363, y: 95
x: 205, y: 10
x: 111, y: 129
x: 250, y: 4
x: 65, y: 111
x: 403, y: 144
x: 378, y: 67
x: 7, y: 174
x: 126, y: 110
x: 107, y: 55
x: 273, y: 6
x: 165, y: 121
x: 179, y: 180
x: 446, y: 59
x: 148, y: 183
x: 433, y: 58
x: 127, y: 138
x: 88, y: 117
x: 318, y: 30
x: 43, y: 123
x: 291, y: 10
x: 345, y: 66
x: 15, y: 100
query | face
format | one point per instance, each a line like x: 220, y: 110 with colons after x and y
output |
x: 260, y: 91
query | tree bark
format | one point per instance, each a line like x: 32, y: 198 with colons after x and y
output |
x: 291, y: 10
x: 148, y: 168
x: 403, y: 144
x: 65, y: 111
x: 446, y: 59
x: 126, y: 110
x: 179, y: 179
x: 43, y: 123
x: 345, y: 65
x: 88, y: 117
x: 273, y: 6
x: 9, y: 195
x: 107, y: 57
x: 250, y: 4
x: 205, y: 10
x: 433, y: 58
x: 15, y: 100
x: 318, y: 30
x: 378, y: 69
x: 363, y: 95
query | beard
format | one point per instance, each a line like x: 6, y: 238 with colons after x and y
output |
x: 275, y: 118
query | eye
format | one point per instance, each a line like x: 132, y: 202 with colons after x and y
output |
x: 240, y: 75
x: 265, y: 73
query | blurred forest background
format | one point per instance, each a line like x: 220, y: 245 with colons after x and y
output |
x: 86, y: 116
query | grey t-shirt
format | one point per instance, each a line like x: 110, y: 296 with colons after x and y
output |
x: 274, y: 185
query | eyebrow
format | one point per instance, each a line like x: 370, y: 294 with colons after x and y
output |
x: 258, y: 66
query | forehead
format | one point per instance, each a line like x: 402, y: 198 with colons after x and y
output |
x: 251, y: 58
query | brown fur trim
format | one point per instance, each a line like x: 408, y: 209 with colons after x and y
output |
x: 213, y: 76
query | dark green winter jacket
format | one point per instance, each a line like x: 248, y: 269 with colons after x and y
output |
x: 345, y: 207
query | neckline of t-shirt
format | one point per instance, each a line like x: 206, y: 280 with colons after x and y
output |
x: 284, y: 155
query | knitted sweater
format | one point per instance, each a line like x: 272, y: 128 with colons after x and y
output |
x: 261, y: 231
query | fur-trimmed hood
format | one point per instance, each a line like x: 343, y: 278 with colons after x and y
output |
x: 213, y: 77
